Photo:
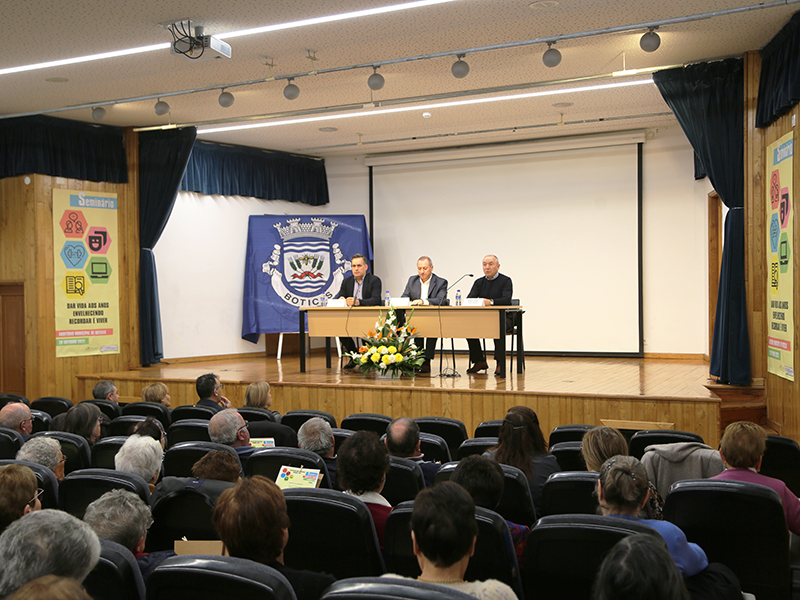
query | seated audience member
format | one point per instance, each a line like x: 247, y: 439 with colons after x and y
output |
x: 483, y: 478
x: 668, y: 463
x: 45, y: 451
x: 521, y: 444
x: 156, y: 392
x: 402, y: 440
x: 46, y: 542
x: 741, y: 449
x: 18, y: 493
x: 639, y: 567
x: 142, y: 456
x: 361, y: 467
x: 315, y: 435
x: 252, y: 522
x: 219, y: 465
x: 51, y: 587
x: 84, y: 420
x: 258, y: 395
x: 121, y: 516
x: 151, y: 427
x: 105, y: 390
x: 209, y: 389
x: 229, y: 427
x: 600, y: 444
x: 443, y: 531
x: 17, y: 416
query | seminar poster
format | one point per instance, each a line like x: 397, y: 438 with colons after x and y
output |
x: 85, y: 245
x: 780, y: 206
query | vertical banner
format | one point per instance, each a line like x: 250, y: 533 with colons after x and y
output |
x: 86, y: 273
x: 780, y: 205
x: 293, y: 262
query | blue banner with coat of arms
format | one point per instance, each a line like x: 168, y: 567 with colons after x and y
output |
x: 293, y: 262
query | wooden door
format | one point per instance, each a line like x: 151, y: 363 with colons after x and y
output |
x: 12, y: 338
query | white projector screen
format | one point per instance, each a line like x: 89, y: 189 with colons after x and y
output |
x: 564, y: 225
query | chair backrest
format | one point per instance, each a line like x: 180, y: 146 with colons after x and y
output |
x: 124, y: 424
x: 516, y: 503
x: 568, y: 433
x: 9, y: 397
x: 489, y: 428
x: 116, y: 576
x: 52, y: 405
x: 445, y: 471
x: 390, y: 588
x: 434, y: 447
x: 200, y: 576
x: 110, y: 409
x: 367, y: 422
x: 643, y: 439
x: 569, y: 456
x: 74, y: 448
x: 403, y: 481
x: 180, y: 413
x: 188, y: 430
x: 268, y: 462
x: 453, y: 431
x: 782, y: 461
x: 251, y: 413
x: 476, y: 446
x: 10, y: 442
x: 180, y: 458
x: 339, y: 436
x: 742, y: 525
x: 105, y: 449
x: 80, y: 488
x: 149, y: 409
x: 46, y: 478
x: 41, y: 421
x: 295, y: 418
x: 569, y: 492
x: 344, y: 540
x: 564, y: 552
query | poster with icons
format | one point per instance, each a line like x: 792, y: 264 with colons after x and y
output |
x: 780, y: 250
x: 86, y: 273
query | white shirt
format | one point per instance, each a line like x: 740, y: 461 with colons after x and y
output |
x: 424, y: 286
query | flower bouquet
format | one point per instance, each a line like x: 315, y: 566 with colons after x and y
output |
x: 388, y: 349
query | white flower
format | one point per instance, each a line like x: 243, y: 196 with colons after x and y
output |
x: 392, y: 358
x: 381, y: 365
x: 384, y: 350
x: 413, y: 346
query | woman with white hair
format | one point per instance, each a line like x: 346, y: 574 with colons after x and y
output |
x: 140, y: 455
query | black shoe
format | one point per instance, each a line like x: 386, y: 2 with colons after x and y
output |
x: 478, y: 366
x: 426, y: 367
x: 350, y: 365
x: 497, y: 370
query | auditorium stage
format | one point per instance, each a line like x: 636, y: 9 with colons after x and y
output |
x: 560, y: 390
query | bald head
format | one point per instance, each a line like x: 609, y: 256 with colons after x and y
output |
x: 16, y: 416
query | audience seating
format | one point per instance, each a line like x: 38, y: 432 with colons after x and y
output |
x: 52, y: 405
x: 268, y: 462
x: 116, y: 576
x: 569, y: 492
x: 252, y: 414
x: 741, y: 525
x: 10, y: 442
x: 194, y: 577
x: 180, y: 458
x: 8, y: 397
x: 390, y: 588
x: 41, y: 421
x: 331, y: 532
x: 74, y: 447
x: 403, y: 481
x: 568, y: 433
x: 782, y: 461
x: 124, y: 424
x: 339, y: 436
x: 434, y: 447
x: 295, y: 418
x: 445, y: 471
x: 105, y: 449
x: 643, y: 439
x: 568, y: 455
x: 149, y: 409
x: 80, y: 488
x: 110, y: 409
x: 489, y: 428
x: 180, y: 413
x: 188, y: 430
x: 453, y: 431
x: 564, y: 553
x: 475, y: 446
x: 46, y: 478
x: 367, y: 422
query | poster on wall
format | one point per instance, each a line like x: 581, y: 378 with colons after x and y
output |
x: 294, y: 262
x: 780, y: 206
x: 86, y: 273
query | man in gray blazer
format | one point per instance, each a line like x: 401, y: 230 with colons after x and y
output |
x: 423, y: 289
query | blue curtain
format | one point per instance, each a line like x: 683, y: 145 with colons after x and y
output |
x: 708, y: 101
x: 255, y: 173
x: 162, y: 160
x: 62, y: 148
x: 779, y: 86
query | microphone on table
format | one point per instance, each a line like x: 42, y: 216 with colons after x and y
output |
x: 459, y: 279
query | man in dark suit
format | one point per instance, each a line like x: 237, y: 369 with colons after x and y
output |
x: 360, y: 289
x: 495, y: 289
x: 423, y: 289
x: 209, y: 389
x: 402, y: 440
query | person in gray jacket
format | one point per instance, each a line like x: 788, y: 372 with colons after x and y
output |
x: 667, y: 463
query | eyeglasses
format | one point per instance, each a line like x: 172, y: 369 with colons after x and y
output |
x: 63, y: 459
x: 39, y: 492
x: 242, y: 427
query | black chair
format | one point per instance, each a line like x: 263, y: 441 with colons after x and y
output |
x: 295, y: 418
x: 569, y: 492
x: 46, y: 480
x: 116, y: 576
x: 268, y: 462
x: 149, y: 409
x: 80, y: 488
x: 403, y: 481
x: 180, y: 458
x: 643, y: 439
x: 494, y: 556
x: 569, y: 456
x: 434, y: 447
x: 180, y: 413
x: 344, y: 540
x: 110, y: 409
x: 489, y: 428
x: 782, y: 461
x: 188, y: 430
x: 563, y: 553
x: 124, y: 424
x: 339, y: 436
x: 105, y: 449
x: 74, y: 448
x: 8, y: 397
x: 741, y: 525
x: 196, y: 576
x: 10, y: 442
x: 453, y: 431
x: 476, y: 446
x: 52, y: 405
x: 390, y: 588
x: 41, y: 421
x: 366, y: 422
x: 252, y: 414
x: 568, y: 433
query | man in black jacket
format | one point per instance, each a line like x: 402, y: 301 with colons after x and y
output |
x: 360, y: 289
x: 495, y: 289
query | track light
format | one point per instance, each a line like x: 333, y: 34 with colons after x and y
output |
x: 226, y: 99
x: 650, y: 41
x: 291, y: 91
x: 98, y: 112
x: 460, y: 68
x: 376, y: 80
x: 161, y: 108
x: 551, y: 57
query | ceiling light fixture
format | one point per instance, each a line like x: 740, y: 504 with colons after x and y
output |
x: 161, y: 108
x: 460, y: 68
x: 650, y: 41
x: 291, y: 91
x: 98, y: 112
x: 226, y: 99
x: 376, y: 80
x: 551, y: 57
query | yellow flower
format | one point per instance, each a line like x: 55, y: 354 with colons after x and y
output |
x: 386, y: 359
x: 383, y: 350
x: 375, y: 357
x: 364, y: 358
x: 398, y: 358
x: 392, y: 350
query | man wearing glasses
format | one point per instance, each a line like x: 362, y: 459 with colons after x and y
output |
x: 19, y: 494
x: 209, y: 389
x: 228, y: 427
x: 17, y: 416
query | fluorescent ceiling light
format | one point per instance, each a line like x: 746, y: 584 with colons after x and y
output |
x: 81, y: 59
x: 386, y: 111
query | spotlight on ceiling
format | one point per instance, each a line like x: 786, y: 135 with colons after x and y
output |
x: 226, y: 99
x: 460, y: 68
x: 551, y: 57
x: 376, y: 80
x: 291, y: 91
x: 161, y: 108
x: 98, y: 112
x: 650, y: 41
